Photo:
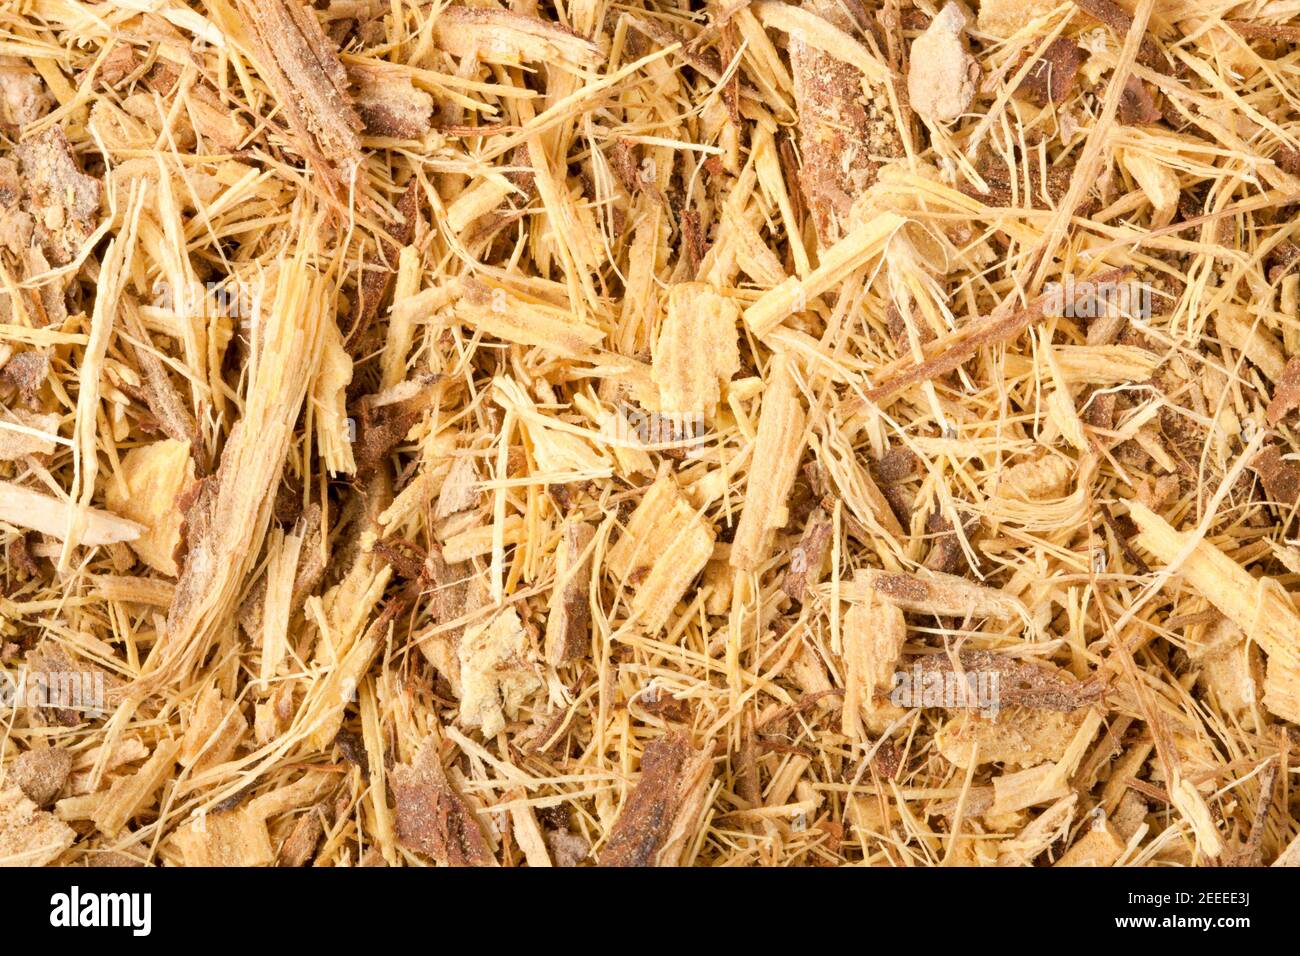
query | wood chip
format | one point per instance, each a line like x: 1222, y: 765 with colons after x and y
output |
x: 27, y: 508
x: 500, y: 36
x: 568, y: 624
x: 874, y: 633
x: 512, y: 318
x: 432, y: 819
x: 661, y: 813
x: 23, y: 433
x: 777, y: 449
x: 1100, y: 846
x: 301, y: 66
x: 132, y: 793
x: 153, y: 479
x: 495, y: 674
x: 30, y: 836
x: 942, y: 76
x: 936, y: 593
x: 231, y: 838
x: 696, y: 350
x: 664, y: 546
x: 1016, y: 737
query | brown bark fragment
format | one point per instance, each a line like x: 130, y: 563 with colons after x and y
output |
x: 845, y: 128
x: 378, y: 272
x: 1136, y: 105
x: 1022, y: 683
x: 27, y: 371
x: 1051, y: 78
x: 647, y: 817
x: 302, y: 67
x: 300, y: 846
x: 432, y: 819
x: 568, y: 625
x: 41, y: 773
x: 1281, y: 478
x: 64, y: 201
x: 1286, y: 396
x: 391, y: 105
x: 1121, y: 21
x: 808, y: 556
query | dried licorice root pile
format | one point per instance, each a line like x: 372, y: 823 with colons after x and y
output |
x: 726, y: 433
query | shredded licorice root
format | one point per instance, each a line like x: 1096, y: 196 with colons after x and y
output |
x: 715, y: 433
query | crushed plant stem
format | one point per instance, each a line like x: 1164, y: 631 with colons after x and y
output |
x: 714, y: 433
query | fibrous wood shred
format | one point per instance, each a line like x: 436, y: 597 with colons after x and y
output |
x: 735, y: 434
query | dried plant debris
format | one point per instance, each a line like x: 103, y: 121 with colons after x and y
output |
x: 664, y: 546
x: 942, y: 76
x: 63, y: 202
x: 434, y: 820
x: 568, y: 621
x: 662, y: 808
x: 41, y: 773
x: 30, y: 836
x: 495, y: 675
x: 771, y: 434
x: 300, y: 65
x: 846, y: 125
